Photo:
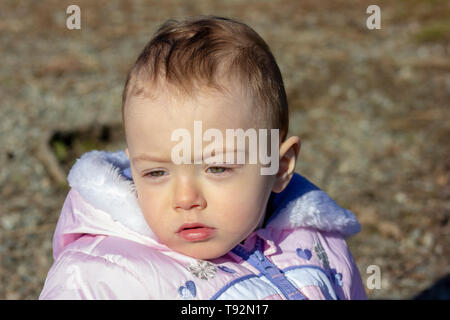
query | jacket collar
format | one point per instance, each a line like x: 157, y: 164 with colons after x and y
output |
x: 103, y: 179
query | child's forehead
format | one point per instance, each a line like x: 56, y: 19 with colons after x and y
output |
x: 225, y: 90
x: 169, y: 108
x: 171, y: 102
x: 211, y: 114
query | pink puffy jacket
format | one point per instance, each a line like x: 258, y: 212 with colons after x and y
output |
x: 104, y: 249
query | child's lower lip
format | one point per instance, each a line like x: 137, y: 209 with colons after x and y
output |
x: 196, y: 234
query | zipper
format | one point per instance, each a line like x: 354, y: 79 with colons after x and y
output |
x: 258, y: 260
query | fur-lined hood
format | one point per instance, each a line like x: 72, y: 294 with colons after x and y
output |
x: 103, y: 180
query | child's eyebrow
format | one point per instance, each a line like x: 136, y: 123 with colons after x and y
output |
x: 146, y: 157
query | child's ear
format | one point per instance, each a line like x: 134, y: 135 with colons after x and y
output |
x: 289, y: 151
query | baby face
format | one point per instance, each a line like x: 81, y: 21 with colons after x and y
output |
x: 228, y: 200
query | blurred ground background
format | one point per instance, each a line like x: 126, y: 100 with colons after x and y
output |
x: 371, y: 108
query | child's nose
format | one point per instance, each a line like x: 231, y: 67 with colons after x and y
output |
x: 188, y: 195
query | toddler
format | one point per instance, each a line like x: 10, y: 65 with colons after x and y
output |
x: 140, y: 224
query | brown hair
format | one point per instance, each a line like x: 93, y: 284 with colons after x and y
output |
x: 205, y: 49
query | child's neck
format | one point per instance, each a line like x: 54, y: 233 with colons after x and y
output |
x: 261, y: 224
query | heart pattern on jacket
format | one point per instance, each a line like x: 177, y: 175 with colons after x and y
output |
x: 304, y: 253
x: 188, y: 291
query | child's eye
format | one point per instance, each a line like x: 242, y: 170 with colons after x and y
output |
x: 219, y: 169
x: 155, y: 174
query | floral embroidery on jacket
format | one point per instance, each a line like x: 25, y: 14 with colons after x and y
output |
x: 322, y: 255
x: 203, y: 269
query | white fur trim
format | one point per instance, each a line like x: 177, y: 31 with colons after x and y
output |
x: 318, y: 210
x: 97, y: 177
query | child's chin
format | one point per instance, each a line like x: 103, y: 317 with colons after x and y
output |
x: 203, y: 252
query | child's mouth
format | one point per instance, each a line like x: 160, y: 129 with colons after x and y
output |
x: 195, y: 232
